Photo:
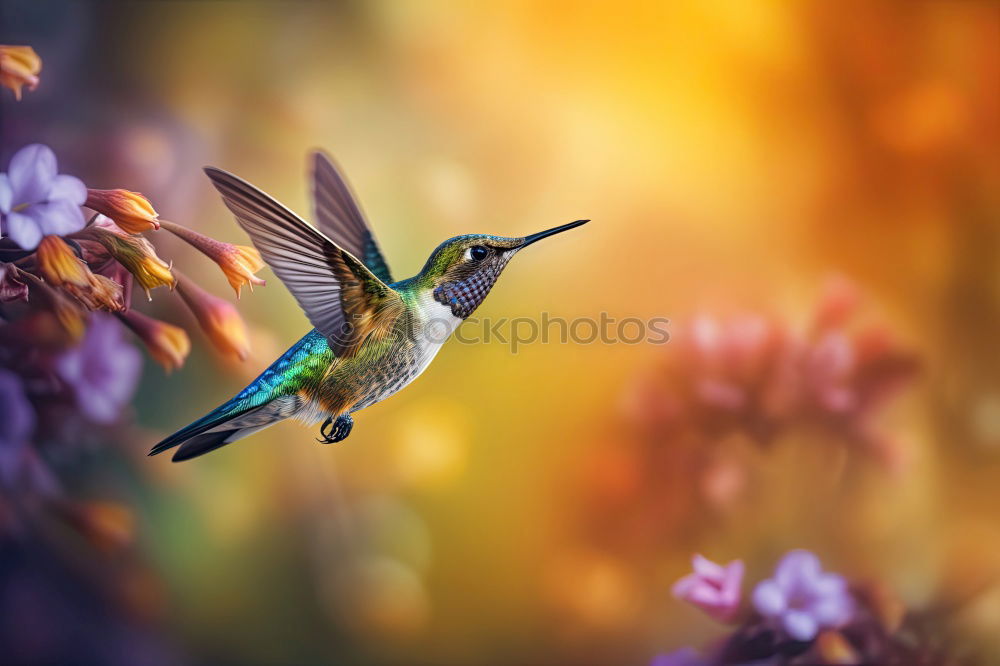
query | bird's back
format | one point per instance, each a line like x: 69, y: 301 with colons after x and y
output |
x: 299, y: 369
x: 278, y: 392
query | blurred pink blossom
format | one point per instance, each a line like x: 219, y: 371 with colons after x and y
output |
x: 760, y: 376
x: 712, y: 587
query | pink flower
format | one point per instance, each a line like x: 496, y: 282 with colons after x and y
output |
x: 757, y: 376
x: 827, y: 371
x: 712, y: 587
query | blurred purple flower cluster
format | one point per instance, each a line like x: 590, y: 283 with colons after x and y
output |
x: 102, y: 371
x: 54, y: 398
x: 67, y: 372
x: 802, y: 615
x: 762, y: 377
x: 74, y: 266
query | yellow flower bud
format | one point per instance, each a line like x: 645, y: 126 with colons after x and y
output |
x: 238, y: 262
x: 130, y: 210
x: 169, y: 345
x: 836, y: 649
x: 59, y: 264
x: 70, y: 317
x: 19, y: 66
x: 101, y: 294
x: 218, y: 318
x: 137, y: 255
x: 61, y: 267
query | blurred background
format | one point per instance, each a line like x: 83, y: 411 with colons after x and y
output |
x: 820, y: 177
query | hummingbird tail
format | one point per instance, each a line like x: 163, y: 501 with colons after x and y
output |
x: 221, y: 426
x: 209, y: 441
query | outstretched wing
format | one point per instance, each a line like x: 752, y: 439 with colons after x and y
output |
x: 338, y: 215
x: 340, y: 296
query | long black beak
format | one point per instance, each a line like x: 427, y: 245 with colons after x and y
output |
x: 528, y: 240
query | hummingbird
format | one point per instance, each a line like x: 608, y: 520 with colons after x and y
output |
x: 372, y: 335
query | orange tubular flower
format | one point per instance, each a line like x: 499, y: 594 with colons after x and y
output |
x: 62, y: 268
x: 107, y: 525
x: 102, y: 294
x: 71, y: 318
x: 218, y: 318
x: 59, y: 264
x: 130, y: 210
x: 137, y: 255
x: 238, y: 262
x: 19, y: 66
x: 169, y: 345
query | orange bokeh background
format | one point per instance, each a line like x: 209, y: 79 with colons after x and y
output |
x: 732, y: 156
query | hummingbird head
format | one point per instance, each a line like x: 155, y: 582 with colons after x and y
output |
x: 463, y: 269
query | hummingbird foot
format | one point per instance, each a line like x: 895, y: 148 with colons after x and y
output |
x: 336, y: 430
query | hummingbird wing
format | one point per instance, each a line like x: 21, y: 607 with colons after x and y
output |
x: 337, y: 292
x: 338, y: 215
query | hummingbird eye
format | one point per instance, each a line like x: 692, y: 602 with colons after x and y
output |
x: 478, y: 252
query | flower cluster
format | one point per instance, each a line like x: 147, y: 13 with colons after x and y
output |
x: 70, y: 258
x: 57, y: 396
x: 800, y: 615
x: 67, y: 370
x: 75, y: 265
x: 65, y: 287
x: 761, y: 377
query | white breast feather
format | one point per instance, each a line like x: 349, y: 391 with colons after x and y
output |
x: 438, y: 324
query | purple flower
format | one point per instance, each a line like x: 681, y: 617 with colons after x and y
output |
x: 102, y: 370
x: 36, y: 201
x: 17, y: 422
x: 17, y: 418
x: 801, y: 599
x: 712, y: 587
x: 685, y: 656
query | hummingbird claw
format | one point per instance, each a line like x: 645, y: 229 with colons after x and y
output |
x: 335, y: 430
x: 324, y: 430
